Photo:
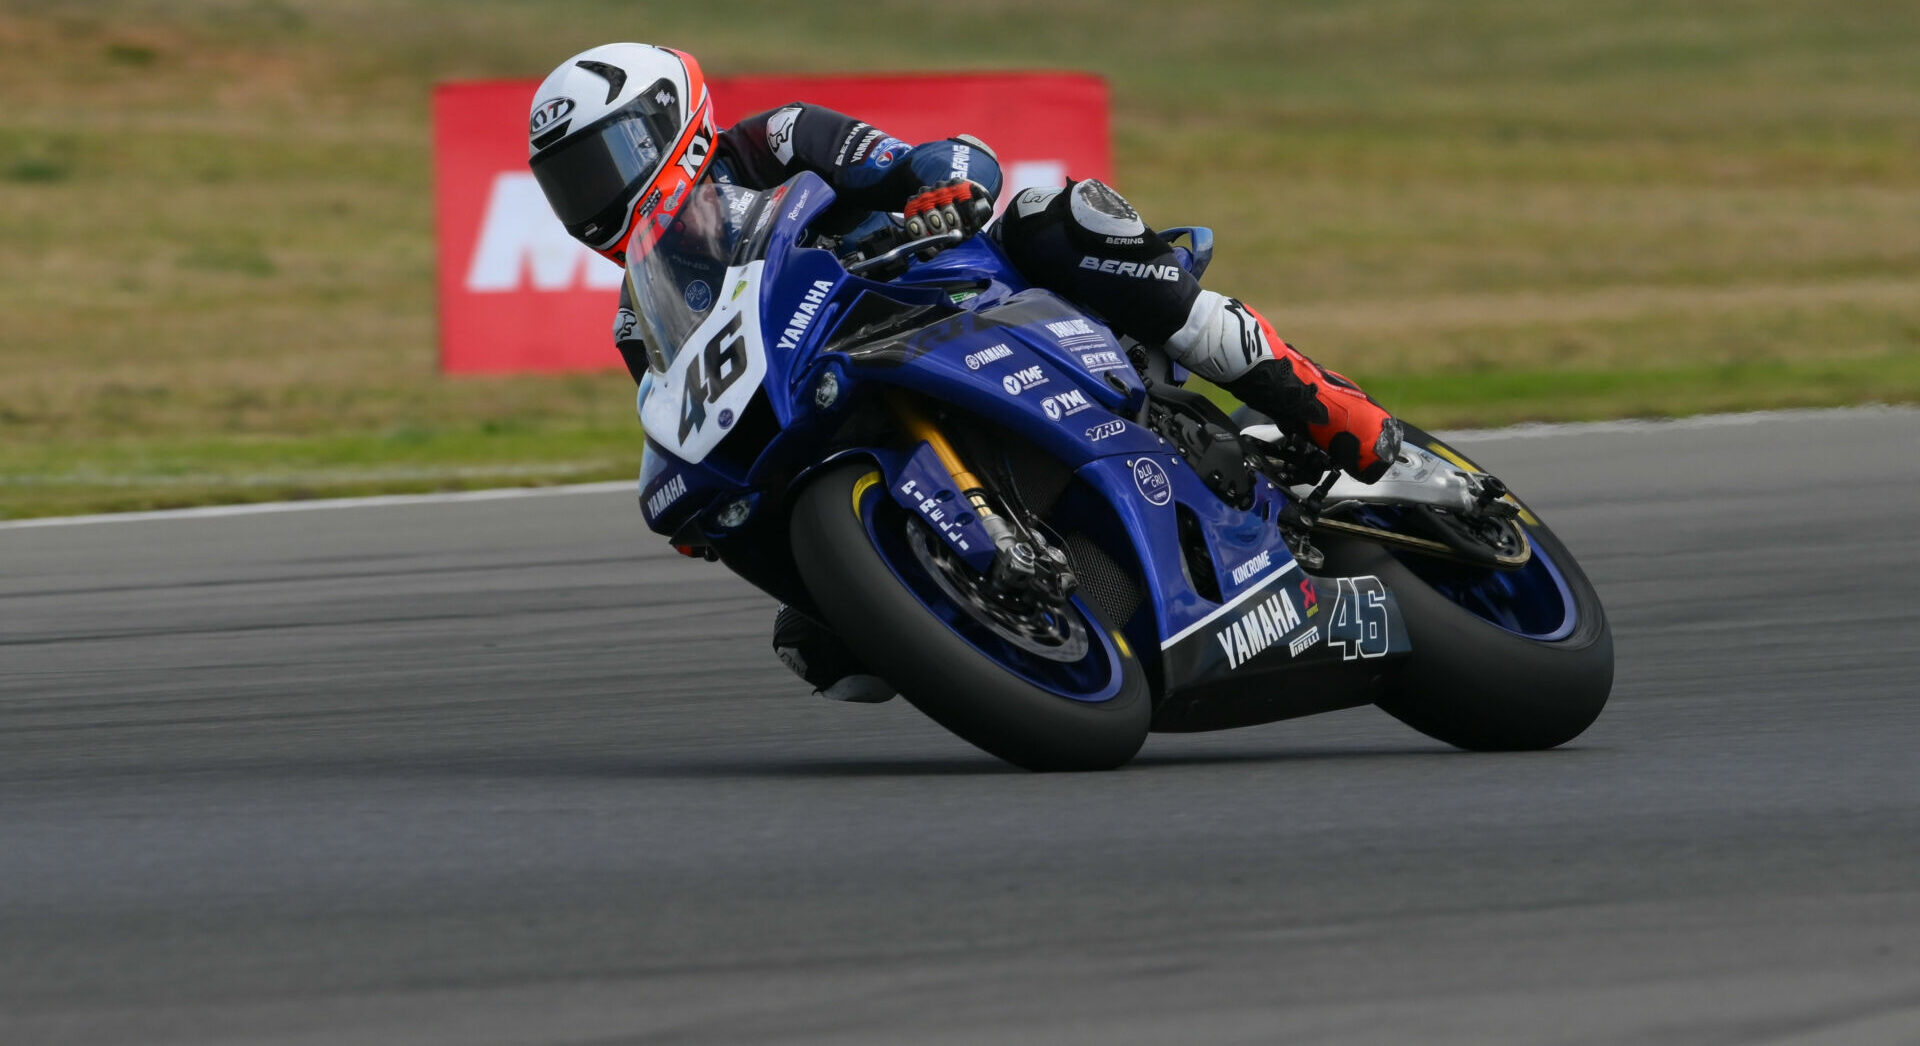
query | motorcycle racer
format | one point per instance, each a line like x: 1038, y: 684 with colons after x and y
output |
x: 619, y: 135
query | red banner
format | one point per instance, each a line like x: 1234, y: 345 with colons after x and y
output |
x: 518, y: 294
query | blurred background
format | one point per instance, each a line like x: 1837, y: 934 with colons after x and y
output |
x: 216, y: 233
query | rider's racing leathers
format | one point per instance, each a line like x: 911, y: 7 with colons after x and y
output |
x: 1082, y: 241
x: 868, y: 170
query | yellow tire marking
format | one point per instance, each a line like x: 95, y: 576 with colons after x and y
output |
x: 1447, y: 452
x: 860, y: 487
x: 1125, y: 650
x: 1526, y: 514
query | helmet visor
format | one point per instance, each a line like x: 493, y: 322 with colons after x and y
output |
x: 591, y: 177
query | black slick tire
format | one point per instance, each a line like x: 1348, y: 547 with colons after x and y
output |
x: 934, y: 668
x: 1475, y: 685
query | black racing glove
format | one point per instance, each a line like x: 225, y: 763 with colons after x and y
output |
x: 953, y: 204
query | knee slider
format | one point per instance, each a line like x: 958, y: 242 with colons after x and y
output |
x: 1095, y: 218
x: 1096, y: 210
x: 1087, y: 243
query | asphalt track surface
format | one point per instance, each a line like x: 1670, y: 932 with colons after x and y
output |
x: 511, y: 771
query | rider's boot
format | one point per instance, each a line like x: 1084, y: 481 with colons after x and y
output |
x: 824, y: 660
x: 1235, y: 347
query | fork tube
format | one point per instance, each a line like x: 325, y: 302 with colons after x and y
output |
x: 920, y: 427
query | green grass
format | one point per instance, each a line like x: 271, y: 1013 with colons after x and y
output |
x: 216, y: 265
x: 1558, y: 395
x: 151, y: 473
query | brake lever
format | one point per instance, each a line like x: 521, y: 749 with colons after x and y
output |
x: 948, y: 238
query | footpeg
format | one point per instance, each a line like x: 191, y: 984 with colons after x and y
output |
x: 1491, y: 498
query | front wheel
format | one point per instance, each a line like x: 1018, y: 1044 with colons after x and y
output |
x: 1045, y: 691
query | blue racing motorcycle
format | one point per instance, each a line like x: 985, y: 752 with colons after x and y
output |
x: 1039, y: 537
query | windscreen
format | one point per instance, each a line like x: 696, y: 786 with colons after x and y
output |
x: 675, y: 283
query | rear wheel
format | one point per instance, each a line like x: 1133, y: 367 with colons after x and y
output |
x: 1478, y: 677
x: 1502, y: 659
x: 1044, y: 690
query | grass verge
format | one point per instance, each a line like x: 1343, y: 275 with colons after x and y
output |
x: 215, y: 225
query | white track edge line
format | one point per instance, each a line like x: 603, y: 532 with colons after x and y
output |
x: 1229, y: 606
x: 268, y: 507
x: 1529, y: 430
x: 1541, y: 430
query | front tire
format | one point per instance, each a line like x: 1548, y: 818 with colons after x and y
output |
x: 882, y: 601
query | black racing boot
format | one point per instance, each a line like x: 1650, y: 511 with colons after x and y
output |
x: 819, y: 656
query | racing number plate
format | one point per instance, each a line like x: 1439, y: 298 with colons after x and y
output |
x: 706, y: 389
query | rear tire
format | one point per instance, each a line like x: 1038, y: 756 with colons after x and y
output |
x: 1481, y: 687
x: 1470, y: 682
x: 941, y: 673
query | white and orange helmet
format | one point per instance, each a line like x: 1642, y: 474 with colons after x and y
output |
x: 617, y: 137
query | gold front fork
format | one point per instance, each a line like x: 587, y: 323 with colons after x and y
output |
x: 1022, y: 566
x: 915, y: 423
